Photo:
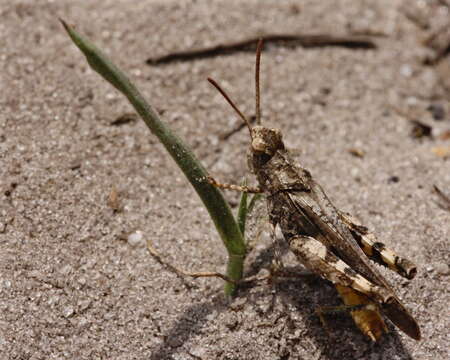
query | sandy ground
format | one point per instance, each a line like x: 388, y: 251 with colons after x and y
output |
x: 73, y: 287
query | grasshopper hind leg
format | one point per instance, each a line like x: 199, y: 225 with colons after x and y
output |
x: 376, y: 250
x: 360, y: 296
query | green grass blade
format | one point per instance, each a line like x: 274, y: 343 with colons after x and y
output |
x: 253, y: 201
x: 212, y: 198
x: 242, y: 212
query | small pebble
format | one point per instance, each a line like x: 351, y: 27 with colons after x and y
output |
x: 68, y: 311
x: 53, y: 300
x: 231, y: 322
x: 437, y: 111
x: 406, y: 70
x: 238, y: 304
x: 136, y: 239
x: 199, y: 352
x: 66, y: 270
x: 393, y: 179
x: 411, y: 101
x: 84, y: 304
x: 441, y: 268
x: 211, y: 316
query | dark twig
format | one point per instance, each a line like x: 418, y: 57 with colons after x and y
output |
x: 439, y: 42
x: 249, y: 45
x: 419, y: 129
x: 445, y: 200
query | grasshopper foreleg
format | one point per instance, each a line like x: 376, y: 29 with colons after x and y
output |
x: 240, y: 188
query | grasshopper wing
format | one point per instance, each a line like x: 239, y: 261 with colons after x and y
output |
x: 328, y: 228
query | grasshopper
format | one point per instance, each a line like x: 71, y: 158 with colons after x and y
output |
x: 326, y: 240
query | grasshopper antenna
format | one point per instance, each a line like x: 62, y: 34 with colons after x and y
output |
x: 216, y: 85
x: 257, y: 87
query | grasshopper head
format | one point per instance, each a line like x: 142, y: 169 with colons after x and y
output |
x: 265, y: 144
x: 266, y: 141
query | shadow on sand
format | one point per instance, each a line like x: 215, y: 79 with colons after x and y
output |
x: 342, y: 341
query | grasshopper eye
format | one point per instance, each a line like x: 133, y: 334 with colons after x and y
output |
x: 277, y: 133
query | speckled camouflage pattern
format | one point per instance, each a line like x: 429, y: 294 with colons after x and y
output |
x: 324, y: 239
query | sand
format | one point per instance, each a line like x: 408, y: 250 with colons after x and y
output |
x: 72, y: 284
